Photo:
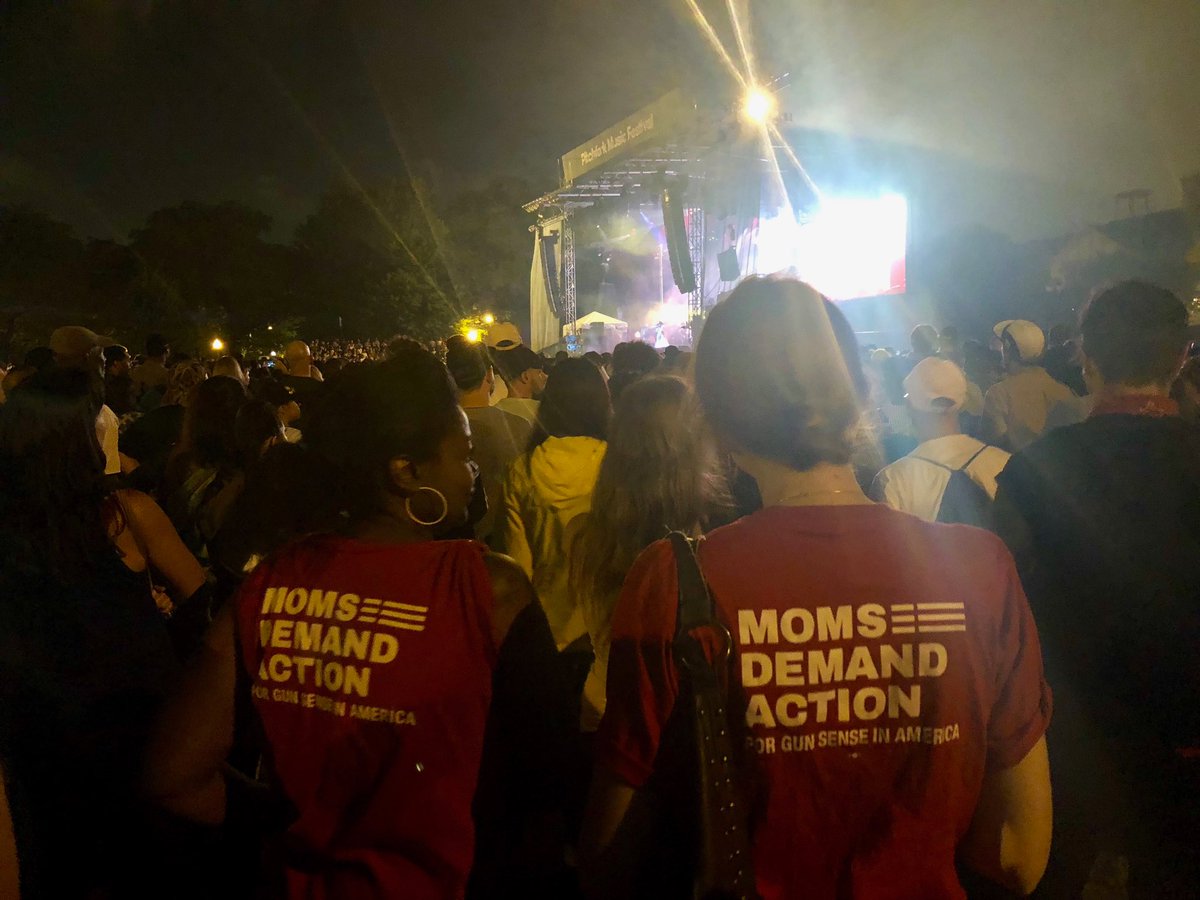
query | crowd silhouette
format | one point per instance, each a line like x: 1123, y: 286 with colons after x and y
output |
x: 784, y: 617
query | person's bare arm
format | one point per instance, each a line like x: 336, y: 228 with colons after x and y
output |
x: 10, y: 876
x: 165, y: 551
x: 609, y: 800
x: 1009, y: 838
x: 195, y: 731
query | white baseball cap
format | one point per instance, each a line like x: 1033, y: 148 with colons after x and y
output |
x: 1028, y: 338
x: 936, y: 385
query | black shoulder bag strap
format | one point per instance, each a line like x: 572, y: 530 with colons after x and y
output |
x: 725, y: 868
x: 963, y: 468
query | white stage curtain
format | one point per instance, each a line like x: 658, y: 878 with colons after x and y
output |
x: 544, y: 325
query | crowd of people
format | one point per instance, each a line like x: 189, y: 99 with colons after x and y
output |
x: 369, y: 620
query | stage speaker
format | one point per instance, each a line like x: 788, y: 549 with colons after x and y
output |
x: 727, y: 262
x: 677, y: 239
x: 550, y: 270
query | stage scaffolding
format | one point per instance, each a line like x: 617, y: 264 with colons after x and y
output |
x: 638, y: 179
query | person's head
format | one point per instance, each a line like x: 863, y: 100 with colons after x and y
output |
x: 575, y: 404
x: 472, y: 373
x: 182, y: 380
x: 280, y: 397
x: 632, y: 362
x: 157, y: 347
x: 594, y: 358
x: 1022, y: 343
x: 523, y: 371
x: 39, y: 359
x: 774, y: 378
x: 256, y: 429
x: 229, y: 367
x: 660, y: 472
x: 561, y: 356
x: 116, y: 360
x: 52, y: 491
x: 1134, y: 337
x: 298, y: 357
x: 924, y: 340
x: 935, y: 392
x: 207, y: 439
x: 76, y: 347
x: 395, y: 432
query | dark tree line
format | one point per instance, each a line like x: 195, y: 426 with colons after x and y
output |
x: 365, y: 264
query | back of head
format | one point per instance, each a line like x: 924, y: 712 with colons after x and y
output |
x: 468, y: 364
x: 659, y: 472
x: 637, y: 357
x: 404, y: 407
x: 208, y: 428
x: 575, y: 403
x: 40, y: 359
x: 52, y: 489
x: 156, y: 345
x: 297, y: 353
x: 924, y: 340
x: 772, y: 377
x: 1135, y: 334
x: 182, y: 381
x: 229, y: 367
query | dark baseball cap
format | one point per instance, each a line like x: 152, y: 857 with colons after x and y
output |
x: 517, y: 361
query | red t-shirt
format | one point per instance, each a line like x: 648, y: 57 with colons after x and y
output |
x: 371, y: 667
x: 888, y: 664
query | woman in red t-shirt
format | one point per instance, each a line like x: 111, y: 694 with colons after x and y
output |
x: 371, y: 655
x: 895, y: 704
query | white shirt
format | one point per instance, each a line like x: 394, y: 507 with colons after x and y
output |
x: 915, y: 486
x: 108, y: 433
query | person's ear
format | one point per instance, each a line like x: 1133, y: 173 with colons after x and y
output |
x: 402, y: 476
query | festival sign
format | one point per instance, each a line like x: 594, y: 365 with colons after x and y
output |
x: 653, y: 122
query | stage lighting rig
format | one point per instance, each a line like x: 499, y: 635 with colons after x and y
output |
x: 758, y: 105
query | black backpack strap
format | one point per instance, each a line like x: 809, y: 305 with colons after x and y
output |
x: 961, y: 468
x: 974, y: 456
x: 695, y: 604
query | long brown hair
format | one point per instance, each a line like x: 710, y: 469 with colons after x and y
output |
x: 660, y: 472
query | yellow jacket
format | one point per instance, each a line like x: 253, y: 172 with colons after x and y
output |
x: 543, y: 492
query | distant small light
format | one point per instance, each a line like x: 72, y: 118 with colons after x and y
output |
x: 273, y: 353
x: 473, y: 335
x: 270, y: 328
x: 218, y: 345
x: 488, y: 319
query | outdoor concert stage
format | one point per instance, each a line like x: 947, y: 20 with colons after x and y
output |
x: 661, y: 214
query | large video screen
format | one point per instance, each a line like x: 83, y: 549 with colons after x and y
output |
x: 846, y: 247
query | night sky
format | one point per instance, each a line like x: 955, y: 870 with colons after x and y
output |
x: 110, y: 109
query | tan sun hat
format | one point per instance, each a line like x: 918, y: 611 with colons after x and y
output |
x: 74, y: 341
x: 503, y: 336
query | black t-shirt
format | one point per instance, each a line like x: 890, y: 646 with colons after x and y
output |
x: 1103, y: 518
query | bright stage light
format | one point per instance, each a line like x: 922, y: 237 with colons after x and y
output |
x: 218, y: 345
x: 488, y: 319
x: 847, y: 247
x: 473, y: 335
x: 758, y: 106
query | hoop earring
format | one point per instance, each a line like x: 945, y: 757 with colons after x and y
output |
x: 433, y: 522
